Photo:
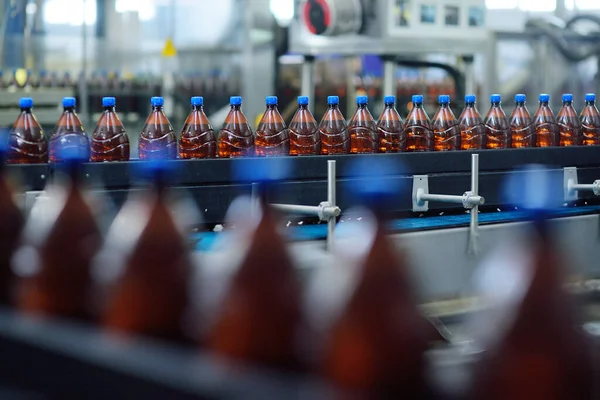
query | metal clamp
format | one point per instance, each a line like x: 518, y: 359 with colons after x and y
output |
x: 572, y: 186
x: 471, y: 200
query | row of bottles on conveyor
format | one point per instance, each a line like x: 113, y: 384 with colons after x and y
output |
x: 364, y: 332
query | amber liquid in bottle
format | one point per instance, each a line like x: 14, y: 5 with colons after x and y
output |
x: 497, y: 129
x: 419, y: 132
x: 69, y: 134
x: 521, y: 125
x: 568, y: 123
x: 27, y: 142
x: 446, y: 131
x: 109, y: 140
x: 197, y: 136
x: 390, y: 128
x: 305, y: 138
x: 272, y: 136
x: 335, y: 138
x: 472, y: 130
x: 10, y: 230
x: 546, y: 130
x: 590, y: 121
x: 157, y: 140
x: 236, y: 138
x: 363, y: 129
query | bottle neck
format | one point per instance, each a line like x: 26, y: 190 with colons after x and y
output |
x: 271, y: 106
x: 495, y: 104
x: 543, y: 104
x: 470, y: 105
x: 333, y: 106
x: 157, y: 108
x: 389, y: 105
x: 197, y: 108
x: 236, y: 107
x: 302, y: 107
x: 520, y: 104
x: 567, y: 103
x: 26, y: 110
x: 444, y: 105
x: 418, y: 105
x: 361, y: 106
x: 69, y: 109
x: 109, y: 108
x: 590, y: 103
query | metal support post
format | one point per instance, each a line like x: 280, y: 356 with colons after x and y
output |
x: 474, y: 223
x: 308, y: 80
x: 572, y: 186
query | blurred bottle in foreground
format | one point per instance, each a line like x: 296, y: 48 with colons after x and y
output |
x: 546, y: 130
x: 27, y: 142
x: 157, y: 140
x: 590, y: 121
x: 363, y: 129
x: 69, y: 135
x: 109, y: 140
x: 472, y: 129
x: 419, y: 132
x: 446, y: 132
x: 305, y: 138
x: 272, y: 136
x: 497, y: 129
x: 569, y: 123
x: 335, y: 138
x: 521, y: 124
x: 235, y: 138
x: 390, y: 127
x: 197, y: 138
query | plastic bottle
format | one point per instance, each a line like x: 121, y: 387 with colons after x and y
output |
x: 197, y: 138
x: 590, y: 121
x: 109, y: 140
x: 446, y: 132
x: 569, y: 123
x: 272, y: 136
x: 335, y: 138
x: 27, y: 142
x: 497, y: 129
x: 155, y: 265
x: 305, y: 138
x: 522, y: 130
x: 235, y: 138
x: 390, y: 127
x: 69, y: 134
x: 363, y: 129
x: 546, y: 130
x: 419, y: 132
x: 157, y: 140
x: 472, y: 130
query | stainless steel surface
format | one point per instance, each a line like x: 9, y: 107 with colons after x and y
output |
x: 572, y: 186
x: 331, y: 199
x: 474, y: 222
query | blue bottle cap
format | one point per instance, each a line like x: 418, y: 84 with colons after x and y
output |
x: 302, y: 100
x: 333, y: 100
x: 520, y: 98
x: 235, y: 100
x: 444, y: 99
x: 544, y: 98
x: 197, y: 101
x: 108, y: 102
x: 25, y: 102
x: 69, y: 102
x: 495, y: 98
x: 362, y: 100
x: 389, y: 99
x: 590, y: 97
x: 470, y: 98
x: 157, y: 102
x: 417, y: 99
x: 271, y: 100
x: 567, y: 97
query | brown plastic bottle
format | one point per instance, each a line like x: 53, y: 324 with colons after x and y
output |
x: 151, y: 295
x: 497, y: 129
x: 568, y: 123
x: 157, y: 140
x: 546, y: 130
x: 272, y: 136
x: 522, y: 130
x: 363, y: 129
x: 261, y: 316
x: 590, y: 121
x: 390, y: 127
x: 446, y: 132
x: 235, y: 138
x: 419, y: 132
x: 61, y: 282
x: 305, y: 138
x: 335, y: 138
x: 27, y: 142
x: 69, y: 134
x: 109, y: 140
x: 197, y: 136
x: 472, y: 130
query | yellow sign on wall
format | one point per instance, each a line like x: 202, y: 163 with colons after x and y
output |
x: 169, y: 49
